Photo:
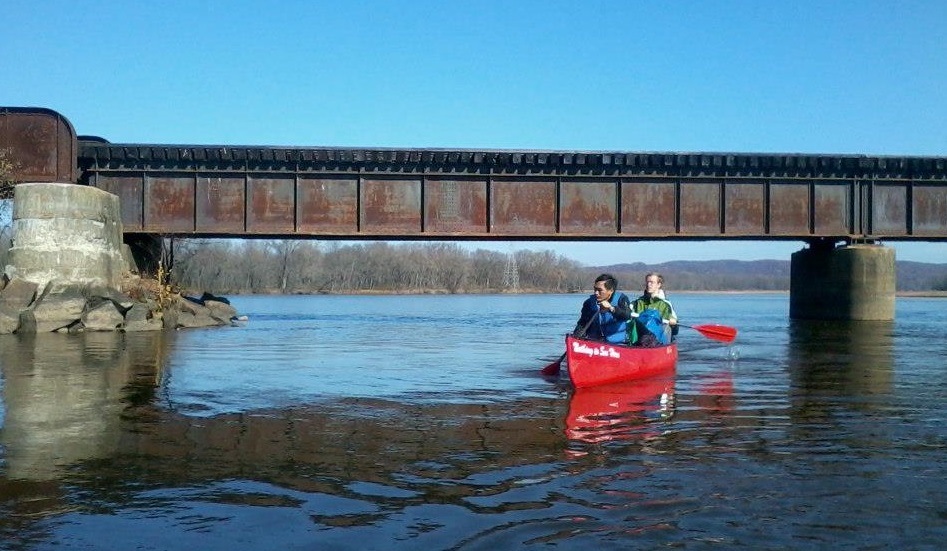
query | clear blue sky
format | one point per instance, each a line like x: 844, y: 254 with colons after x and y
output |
x: 807, y: 76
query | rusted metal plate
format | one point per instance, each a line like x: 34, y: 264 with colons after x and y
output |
x: 930, y: 210
x: 889, y: 208
x: 588, y: 208
x: 453, y: 206
x: 648, y: 208
x: 131, y: 196
x: 221, y: 201
x: 832, y: 210
x: 390, y: 206
x: 272, y: 204
x: 327, y: 205
x: 789, y: 208
x: 523, y: 207
x: 40, y: 142
x: 169, y: 204
x: 700, y: 208
x: 744, y: 208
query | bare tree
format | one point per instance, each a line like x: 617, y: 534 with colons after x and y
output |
x: 307, y: 273
x: 486, y: 270
x: 450, y: 266
x: 8, y: 168
x: 284, y: 254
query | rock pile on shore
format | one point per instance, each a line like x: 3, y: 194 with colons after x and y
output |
x: 137, y: 306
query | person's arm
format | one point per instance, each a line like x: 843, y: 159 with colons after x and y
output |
x: 671, y: 314
x: 622, y: 310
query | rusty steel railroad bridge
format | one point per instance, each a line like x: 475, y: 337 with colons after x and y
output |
x: 435, y: 194
x: 440, y: 194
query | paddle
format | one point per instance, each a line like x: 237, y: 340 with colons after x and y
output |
x: 553, y: 368
x: 722, y: 333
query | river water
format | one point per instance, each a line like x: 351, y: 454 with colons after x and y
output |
x: 421, y: 422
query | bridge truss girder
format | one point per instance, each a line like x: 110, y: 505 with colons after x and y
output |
x: 332, y: 193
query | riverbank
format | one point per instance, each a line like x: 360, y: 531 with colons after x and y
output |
x: 369, y: 292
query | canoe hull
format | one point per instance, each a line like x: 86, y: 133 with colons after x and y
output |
x: 594, y: 363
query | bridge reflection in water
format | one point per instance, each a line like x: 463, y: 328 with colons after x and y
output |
x: 829, y: 361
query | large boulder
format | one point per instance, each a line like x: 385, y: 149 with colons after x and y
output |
x: 18, y: 293
x: 103, y: 316
x: 140, y: 317
x: 16, y: 296
x: 122, y: 301
x: 220, y: 311
x: 191, y: 313
x: 57, y: 309
x: 9, y: 320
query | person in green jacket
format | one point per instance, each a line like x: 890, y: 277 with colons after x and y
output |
x: 653, y: 298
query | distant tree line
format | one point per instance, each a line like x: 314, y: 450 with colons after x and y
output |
x: 309, y: 267
x: 288, y: 267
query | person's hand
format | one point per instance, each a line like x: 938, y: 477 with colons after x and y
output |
x: 605, y: 306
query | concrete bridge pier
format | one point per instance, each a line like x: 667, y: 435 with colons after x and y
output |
x: 68, y: 233
x: 850, y: 282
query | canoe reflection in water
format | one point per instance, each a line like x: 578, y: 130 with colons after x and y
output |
x: 620, y: 411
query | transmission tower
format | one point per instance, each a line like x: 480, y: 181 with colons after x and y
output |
x: 511, y: 275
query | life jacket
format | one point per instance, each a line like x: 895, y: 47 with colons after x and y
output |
x: 611, y: 329
x: 605, y: 325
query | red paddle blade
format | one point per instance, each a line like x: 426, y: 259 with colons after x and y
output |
x: 553, y: 368
x: 722, y: 333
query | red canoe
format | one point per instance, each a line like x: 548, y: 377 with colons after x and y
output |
x: 597, y: 363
